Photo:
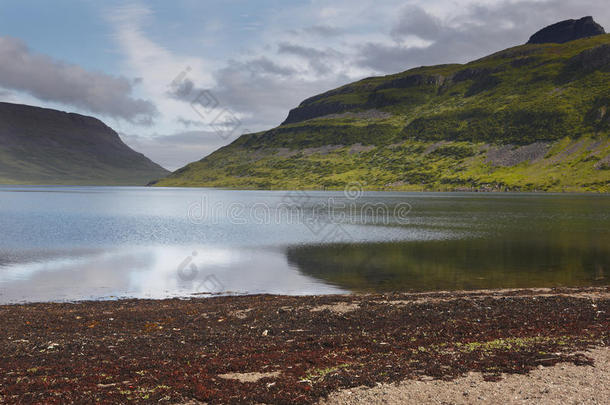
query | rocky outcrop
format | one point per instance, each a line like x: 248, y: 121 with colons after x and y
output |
x: 471, y: 74
x: 412, y: 81
x: 568, y: 30
x: 308, y: 111
x: 318, y: 106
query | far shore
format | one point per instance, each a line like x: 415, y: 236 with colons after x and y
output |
x: 472, y: 190
x: 460, y: 346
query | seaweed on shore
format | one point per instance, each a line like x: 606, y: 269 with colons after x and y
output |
x: 302, y: 348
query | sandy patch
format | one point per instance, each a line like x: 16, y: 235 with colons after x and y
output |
x: 563, y: 383
x: 338, y: 308
x: 594, y: 295
x: 249, y: 377
x: 241, y: 313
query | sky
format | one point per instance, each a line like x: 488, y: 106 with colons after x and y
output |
x: 179, y: 79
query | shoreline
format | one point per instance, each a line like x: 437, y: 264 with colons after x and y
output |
x: 392, y: 190
x: 451, y: 294
x: 298, y: 349
x: 364, y: 189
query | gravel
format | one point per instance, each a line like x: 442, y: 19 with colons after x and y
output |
x: 561, y: 384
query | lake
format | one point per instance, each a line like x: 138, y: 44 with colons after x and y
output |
x: 75, y: 243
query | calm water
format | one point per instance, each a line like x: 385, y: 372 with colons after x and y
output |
x: 73, y: 243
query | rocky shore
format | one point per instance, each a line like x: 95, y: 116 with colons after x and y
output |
x: 430, y: 347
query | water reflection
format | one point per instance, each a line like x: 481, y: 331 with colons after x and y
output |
x: 453, y: 264
x: 73, y: 243
x: 154, y: 272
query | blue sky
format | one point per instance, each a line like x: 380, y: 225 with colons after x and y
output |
x: 117, y: 60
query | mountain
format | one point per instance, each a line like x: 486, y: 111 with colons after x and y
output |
x: 531, y: 117
x: 44, y: 146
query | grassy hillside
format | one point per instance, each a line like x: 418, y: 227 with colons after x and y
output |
x: 44, y: 146
x: 532, y: 117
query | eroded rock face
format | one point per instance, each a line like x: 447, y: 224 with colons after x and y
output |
x: 412, y: 81
x: 568, y: 30
x: 308, y: 111
x: 509, y: 155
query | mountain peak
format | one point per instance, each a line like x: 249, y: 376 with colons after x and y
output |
x: 568, y: 30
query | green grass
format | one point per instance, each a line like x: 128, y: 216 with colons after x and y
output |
x: 569, y: 165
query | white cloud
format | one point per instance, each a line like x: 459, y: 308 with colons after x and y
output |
x: 52, y: 80
x: 155, y: 65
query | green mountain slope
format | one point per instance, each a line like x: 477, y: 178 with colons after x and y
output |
x: 44, y: 146
x: 532, y: 117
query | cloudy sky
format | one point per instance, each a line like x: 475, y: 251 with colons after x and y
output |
x: 177, y: 79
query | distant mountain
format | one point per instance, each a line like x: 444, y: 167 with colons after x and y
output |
x: 532, y: 117
x: 44, y: 146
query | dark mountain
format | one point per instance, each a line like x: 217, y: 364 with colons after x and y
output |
x: 568, y: 30
x: 44, y: 146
